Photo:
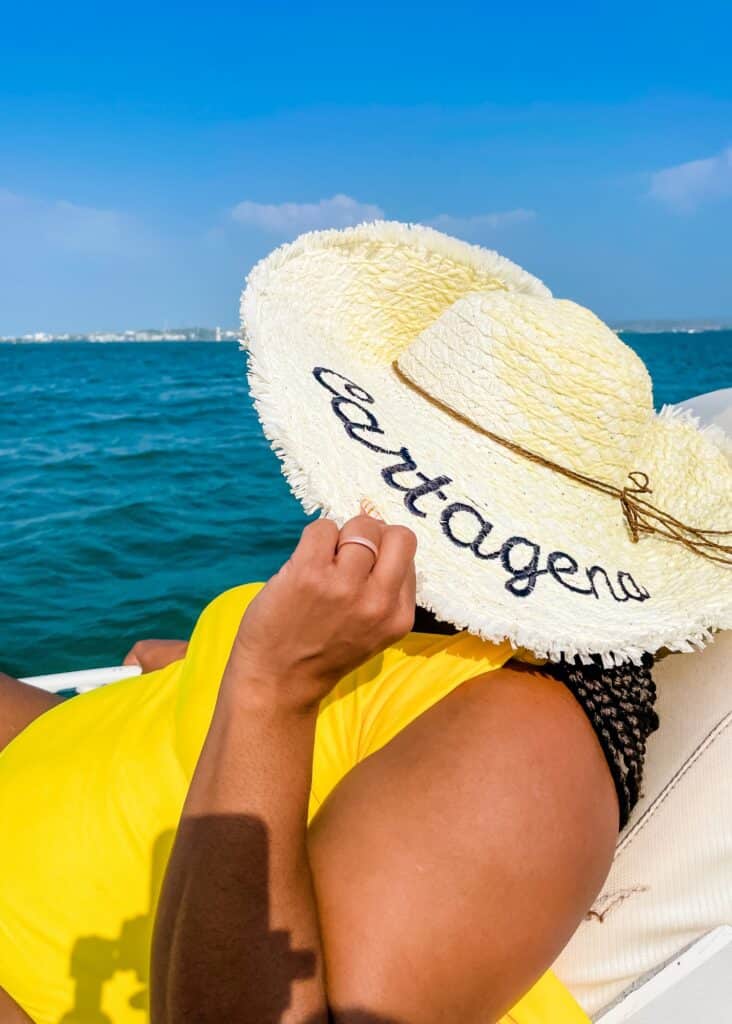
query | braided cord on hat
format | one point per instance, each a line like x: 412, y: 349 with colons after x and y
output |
x: 640, y: 515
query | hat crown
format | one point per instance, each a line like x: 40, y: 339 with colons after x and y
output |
x: 542, y: 373
x: 340, y: 322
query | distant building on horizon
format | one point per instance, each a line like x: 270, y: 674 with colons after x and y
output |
x: 213, y: 334
x: 147, y: 335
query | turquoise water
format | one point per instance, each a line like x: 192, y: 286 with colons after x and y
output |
x: 135, y: 485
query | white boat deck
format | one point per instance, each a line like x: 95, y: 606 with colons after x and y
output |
x: 696, y: 986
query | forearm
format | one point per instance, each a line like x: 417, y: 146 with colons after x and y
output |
x: 237, y: 935
x: 237, y: 932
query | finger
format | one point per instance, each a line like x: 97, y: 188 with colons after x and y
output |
x: 357, y: 560
x: 317, y: 544
x: 408, y: 596
x: 395, y: 566
x: 131, y: 657
x: 369, y: 509
x: 406, y: 606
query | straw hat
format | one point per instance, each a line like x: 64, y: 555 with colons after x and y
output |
x: 513, y: 432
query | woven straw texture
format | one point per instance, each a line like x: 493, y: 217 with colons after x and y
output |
x: 506, y: 548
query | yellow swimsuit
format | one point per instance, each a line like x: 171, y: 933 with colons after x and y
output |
x: 91, y: 792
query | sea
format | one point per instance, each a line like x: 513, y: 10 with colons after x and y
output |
x: 136, y: 485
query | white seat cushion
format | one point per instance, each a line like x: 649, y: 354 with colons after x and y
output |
x: 671, y: 879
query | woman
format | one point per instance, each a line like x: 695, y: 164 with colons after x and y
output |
x: 444, y: 888
x: 462, y: 811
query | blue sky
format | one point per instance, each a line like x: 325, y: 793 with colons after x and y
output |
x: 150, y: 153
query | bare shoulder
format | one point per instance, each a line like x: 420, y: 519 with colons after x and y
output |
x: 452, y: 866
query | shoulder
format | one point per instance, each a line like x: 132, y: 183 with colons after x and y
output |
x: 511, y: 749
x: 472, y: 844
x: 231, y: 602
x: 218, y: 622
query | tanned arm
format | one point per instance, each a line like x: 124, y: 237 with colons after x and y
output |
x: 450, y: 867
x: 20, y: 703
x: 237, y: 934
x: 239, y: 875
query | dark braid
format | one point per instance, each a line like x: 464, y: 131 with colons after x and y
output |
x: 620, y: 704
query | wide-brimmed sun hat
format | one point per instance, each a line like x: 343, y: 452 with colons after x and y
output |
x: 513, y: 432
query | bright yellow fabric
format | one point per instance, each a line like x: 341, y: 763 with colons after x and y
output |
x: 91, y: 792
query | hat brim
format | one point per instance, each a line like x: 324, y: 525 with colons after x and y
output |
x: 506, y: 548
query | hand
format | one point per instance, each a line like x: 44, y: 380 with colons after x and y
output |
x: 151, y: 655
x: 325, y: 612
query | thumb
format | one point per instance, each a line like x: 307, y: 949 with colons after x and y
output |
x: 131, y: 658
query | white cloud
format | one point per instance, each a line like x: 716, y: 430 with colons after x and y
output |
x: 342, y: 211
x: 60, y: 224
x: 85, y: 228
x: 482, y: 221
x: 339, y: 211
x: 687, y: 185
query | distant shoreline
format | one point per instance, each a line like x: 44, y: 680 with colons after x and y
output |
x: 670, y: 326
x: 150, y: 334
x: 214, y: 335
x: 117, y: 341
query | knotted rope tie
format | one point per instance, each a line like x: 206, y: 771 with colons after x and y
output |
x: 641, y: 485
x: 641, y: 516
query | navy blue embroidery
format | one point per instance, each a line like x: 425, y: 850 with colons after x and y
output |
x: 412, y: 493
x: 351, y: 389
x: 597, y: 570
x: 569, y: 568
x: 519, y: 557
x: 352, y: 426
x: 354, y: 395
x: 484, y: 528
x: 641, y: 594
x: 521, y: 574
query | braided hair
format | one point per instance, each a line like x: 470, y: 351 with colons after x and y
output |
x: 620, y: 704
